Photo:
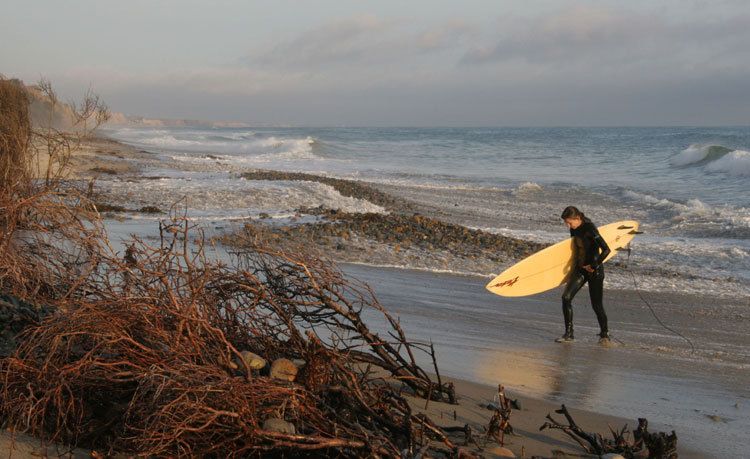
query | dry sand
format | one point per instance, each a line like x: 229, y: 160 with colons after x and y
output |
x: 98, y: 156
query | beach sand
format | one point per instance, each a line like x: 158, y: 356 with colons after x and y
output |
x: 97, y: 156
x: 483, y: 340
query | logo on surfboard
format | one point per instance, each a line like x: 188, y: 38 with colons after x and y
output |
x: 508, y: 283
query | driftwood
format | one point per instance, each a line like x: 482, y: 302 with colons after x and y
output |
x: 655, y: 446
x: 659, y: 445
x: 316, y: 296
x: 499, y: 424
x: 142, y: 353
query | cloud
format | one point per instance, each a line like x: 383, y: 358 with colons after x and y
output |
x: 590, y: 38
x: 569, y: 35
x: 358, y: 40
x: 349, y: 40
x: 443, y: 36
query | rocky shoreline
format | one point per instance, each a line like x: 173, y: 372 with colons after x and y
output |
x: 348, y: 188
x: 396, y: 238
x: 401, y: 237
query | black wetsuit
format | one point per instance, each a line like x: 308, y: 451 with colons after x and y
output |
x: 589, y: 249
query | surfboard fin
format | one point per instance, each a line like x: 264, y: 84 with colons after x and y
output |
x: 625, y: 227
x: 635, y: 232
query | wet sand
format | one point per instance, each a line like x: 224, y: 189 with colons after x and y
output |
x: 488, y: 339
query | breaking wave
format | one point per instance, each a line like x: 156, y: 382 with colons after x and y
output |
x: 714, y: 158
x: 699, y: 153
x: 246, y: 144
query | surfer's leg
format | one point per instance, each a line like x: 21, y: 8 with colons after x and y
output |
x: 596, y: 292
x: 575, y: 283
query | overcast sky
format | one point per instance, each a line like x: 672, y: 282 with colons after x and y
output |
x: 394, y: 63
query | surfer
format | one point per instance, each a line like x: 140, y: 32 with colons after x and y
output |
x: 589, y: 252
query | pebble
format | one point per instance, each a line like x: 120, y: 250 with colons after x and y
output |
x: 716, y: 418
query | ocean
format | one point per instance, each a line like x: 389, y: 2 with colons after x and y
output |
x: 688, y: 186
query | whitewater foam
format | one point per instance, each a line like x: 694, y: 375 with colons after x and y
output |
x: 735, y: 163
x: 245, y: 146
x: 528, y: 187
x: 221, y: 195
x: 421, y: 269
x: 695, y: 216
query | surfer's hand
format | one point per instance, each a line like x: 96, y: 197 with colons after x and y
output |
x: 588, y: 268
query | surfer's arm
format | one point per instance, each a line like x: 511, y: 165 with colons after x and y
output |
x: 602, y: 247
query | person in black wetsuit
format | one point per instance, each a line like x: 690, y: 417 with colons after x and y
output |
x: 589, y: 252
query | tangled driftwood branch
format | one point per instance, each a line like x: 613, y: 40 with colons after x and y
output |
x: 656, y: 446
x: 499, y: 424
x: 316, y: 297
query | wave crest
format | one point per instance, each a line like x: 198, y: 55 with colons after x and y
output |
x: 714, y: 158
x: 699, y: 153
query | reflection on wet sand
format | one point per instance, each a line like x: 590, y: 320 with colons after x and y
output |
x: 550, y: 372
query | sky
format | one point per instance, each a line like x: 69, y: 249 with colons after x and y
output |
x: 393, y: 63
